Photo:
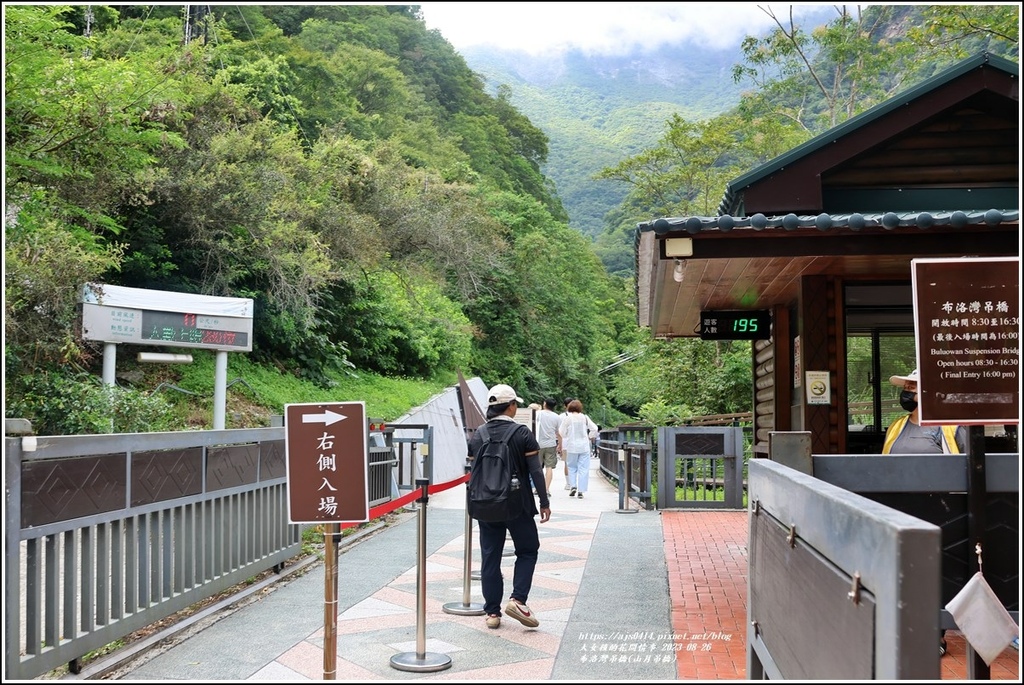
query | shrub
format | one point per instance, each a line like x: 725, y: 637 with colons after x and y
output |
x: 59, y: 403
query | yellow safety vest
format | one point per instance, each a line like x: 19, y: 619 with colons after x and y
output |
x: 948, y: 434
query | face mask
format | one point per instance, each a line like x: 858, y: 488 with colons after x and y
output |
x: 907, y: 400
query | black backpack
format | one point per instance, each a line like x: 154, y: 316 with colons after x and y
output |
x: 492, y: 493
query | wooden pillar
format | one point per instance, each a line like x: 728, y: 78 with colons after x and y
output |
x: 816, y: 329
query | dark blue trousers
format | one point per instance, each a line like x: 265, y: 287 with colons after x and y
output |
x: 523, y: 530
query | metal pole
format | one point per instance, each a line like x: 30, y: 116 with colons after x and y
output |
x: 421, y: 572
x: 623, y: 483
x: 421, y: 661
x: 109, y: 363
x: 466, y: 608
x: 977, y: 493
x: 220, y: 389
x: 331, y: 533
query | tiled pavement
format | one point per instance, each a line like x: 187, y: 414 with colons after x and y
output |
x: 706, y: 555
x: 686, y: 620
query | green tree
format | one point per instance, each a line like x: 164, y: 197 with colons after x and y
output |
x: 959, y: 31
x: 83, y: 128
x: 821, y: 78
x: 81, y: 136
x: 693, y: 377
x: 342, y: 167
x: 816, y: 80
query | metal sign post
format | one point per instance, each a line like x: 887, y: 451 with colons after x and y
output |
x: 624, y: 485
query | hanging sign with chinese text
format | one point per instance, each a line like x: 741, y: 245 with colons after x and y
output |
x: 967, y: 323
x: 326, y: 456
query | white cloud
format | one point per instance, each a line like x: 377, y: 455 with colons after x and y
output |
x: 600, y: 27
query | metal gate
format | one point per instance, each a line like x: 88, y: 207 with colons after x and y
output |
x: 700, y: 467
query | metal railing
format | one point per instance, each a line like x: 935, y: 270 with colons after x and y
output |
x: 637, y: 443
x: 107, y: 534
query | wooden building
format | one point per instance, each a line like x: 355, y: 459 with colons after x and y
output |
x: 821, y: 239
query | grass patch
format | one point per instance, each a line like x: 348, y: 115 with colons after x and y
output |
x: 255, y: 392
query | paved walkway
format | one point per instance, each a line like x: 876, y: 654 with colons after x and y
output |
x: 655, y: 596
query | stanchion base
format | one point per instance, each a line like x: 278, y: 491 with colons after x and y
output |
x: 625, y: 511
x: 430, y: 661
x: 460, y: 609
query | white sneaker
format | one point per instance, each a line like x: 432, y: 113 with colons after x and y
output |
x: 521, y: 613
x: 567, y: 487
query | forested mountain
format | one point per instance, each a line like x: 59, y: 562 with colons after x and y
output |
x: 340, y: 165
x: 598, y: 109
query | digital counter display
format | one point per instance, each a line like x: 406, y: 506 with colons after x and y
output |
x: 735, y: 325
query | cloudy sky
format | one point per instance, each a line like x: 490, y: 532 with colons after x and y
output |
x: 601, y: 27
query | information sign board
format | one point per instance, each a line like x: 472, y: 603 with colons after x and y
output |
x: 156, y: 317
x: 967, y: 324
x: 326, y: 450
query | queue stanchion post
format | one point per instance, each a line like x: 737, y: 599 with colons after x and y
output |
x: 466, y: 608
x: 421, y: 661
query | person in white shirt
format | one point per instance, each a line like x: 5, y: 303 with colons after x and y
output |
x: 576, y: 431
x: 548, y: 439
x: 561, y: 449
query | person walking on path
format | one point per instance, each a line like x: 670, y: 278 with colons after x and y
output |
x: 561, y: 449
x: 502, y: 403
x: 576, y: 431
x: 548, y: 439
x: 906, y: 435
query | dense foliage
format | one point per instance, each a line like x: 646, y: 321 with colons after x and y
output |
x: 339, y: 165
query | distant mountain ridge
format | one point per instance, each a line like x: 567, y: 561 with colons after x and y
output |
x: 599, y: 109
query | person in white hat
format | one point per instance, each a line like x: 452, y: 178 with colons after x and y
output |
x: 907, y: 436
x: 502, y: 403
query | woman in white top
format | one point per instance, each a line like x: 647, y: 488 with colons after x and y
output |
x: 576, y: 431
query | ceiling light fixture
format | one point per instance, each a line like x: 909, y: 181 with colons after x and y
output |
x: 677, y: 271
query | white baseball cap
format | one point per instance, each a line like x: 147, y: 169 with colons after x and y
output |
x: 502, y: 394
x: 900, y: 381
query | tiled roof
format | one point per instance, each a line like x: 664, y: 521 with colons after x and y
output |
x: 827, y: 222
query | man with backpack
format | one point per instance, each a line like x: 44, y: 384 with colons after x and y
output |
x: 504, y: 456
